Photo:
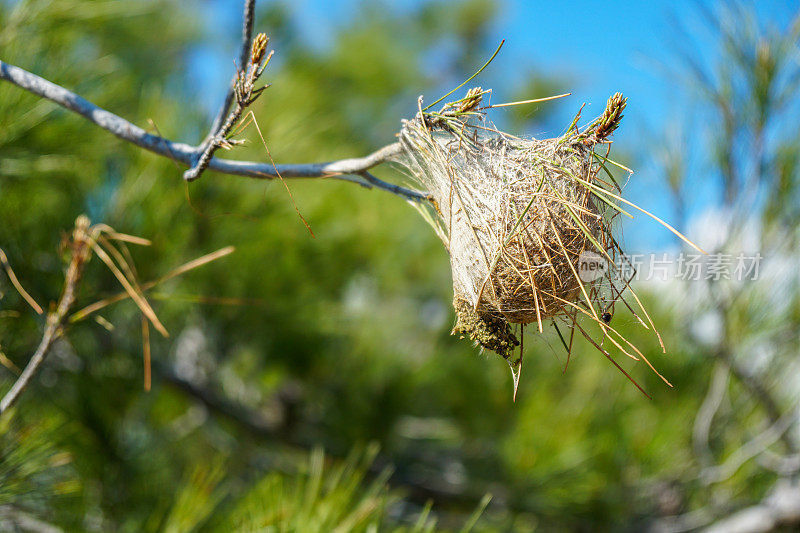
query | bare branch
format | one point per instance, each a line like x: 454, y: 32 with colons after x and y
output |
x: 13, y: 518
x: 206, y: 150
x: 81, y: 250
x: 249, y: 420
x: 342, y: 169
x: 783, y: 465
x: 752, y: 448
x: 780, y: 509
x: 707, y: 412
x: 691, y: 521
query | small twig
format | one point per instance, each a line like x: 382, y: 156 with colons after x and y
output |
x: 415, y: 196
x: 184, y: 153
x: 247, y: 39
x: 216, y: 133
x: 81, y: 251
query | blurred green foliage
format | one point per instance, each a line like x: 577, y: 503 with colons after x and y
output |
x: 333, y: 341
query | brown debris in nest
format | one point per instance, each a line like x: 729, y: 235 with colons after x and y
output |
x: 547, y: 220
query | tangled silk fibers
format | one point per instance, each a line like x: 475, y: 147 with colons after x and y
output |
x: 516, y: 215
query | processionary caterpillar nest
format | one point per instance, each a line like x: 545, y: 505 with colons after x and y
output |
x: 521, y: 218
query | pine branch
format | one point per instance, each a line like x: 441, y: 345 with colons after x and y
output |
x: 344, y: 169
x: 81, y: 251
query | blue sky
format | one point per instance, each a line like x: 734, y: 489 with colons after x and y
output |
x: 600, y: 47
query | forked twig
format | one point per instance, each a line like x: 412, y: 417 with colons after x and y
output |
x: 87, y: 240
x: 249, y: 69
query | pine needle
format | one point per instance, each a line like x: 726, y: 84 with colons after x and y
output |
x: 186, y: 267
x: 146, y: 353
x: 17, y: 285
x: 134, y: 294
x: 522, y: 102
x: 470, y: 78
